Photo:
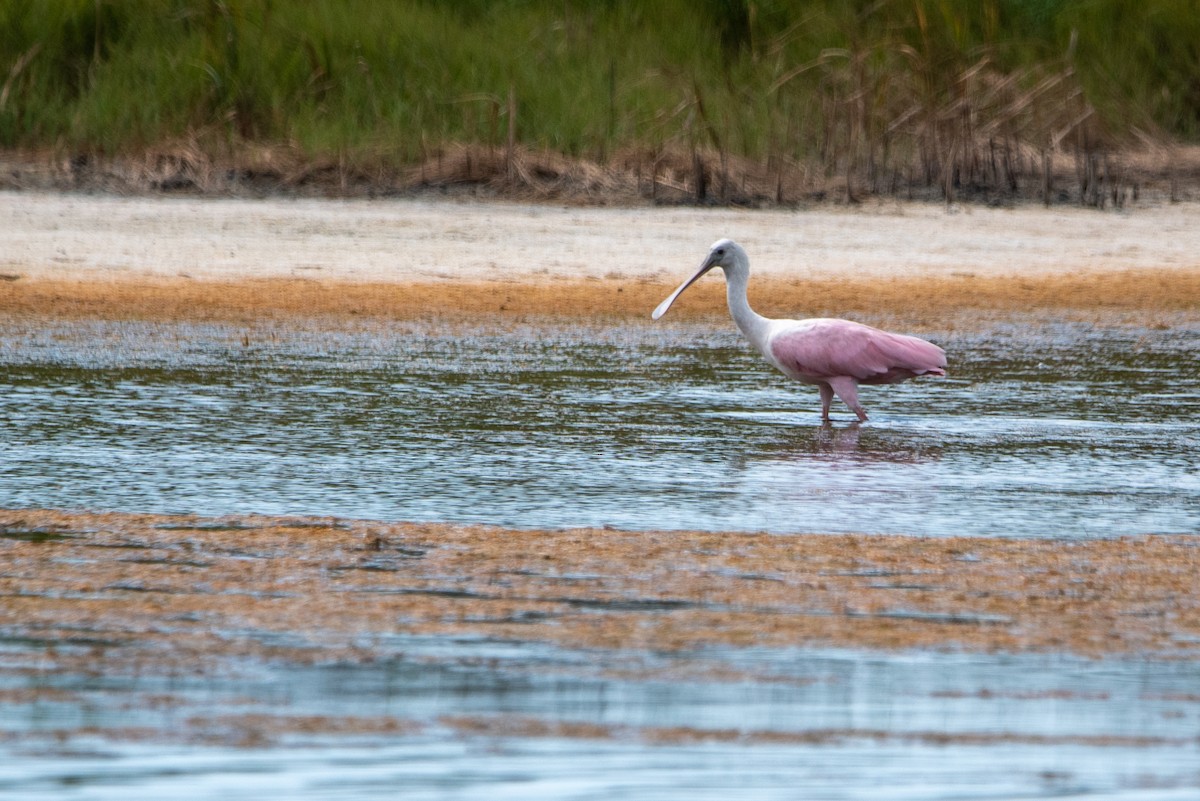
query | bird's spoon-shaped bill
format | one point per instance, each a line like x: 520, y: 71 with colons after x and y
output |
x: 666, y: 304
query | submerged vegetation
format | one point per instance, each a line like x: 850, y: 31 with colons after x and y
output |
x: 719, y: 99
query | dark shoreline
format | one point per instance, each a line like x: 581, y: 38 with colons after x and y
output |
x: 1119, y: 179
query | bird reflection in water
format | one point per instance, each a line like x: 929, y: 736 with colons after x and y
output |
x: 852, y: 444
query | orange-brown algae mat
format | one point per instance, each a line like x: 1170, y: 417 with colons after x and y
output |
x: 1151, y: 297
x: 194, y: 591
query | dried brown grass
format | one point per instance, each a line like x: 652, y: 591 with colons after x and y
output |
x: 946, y: 161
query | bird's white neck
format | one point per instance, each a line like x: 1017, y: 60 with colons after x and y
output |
x: 751, y: 323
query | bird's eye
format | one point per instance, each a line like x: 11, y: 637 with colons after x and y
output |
x: 721, y: 251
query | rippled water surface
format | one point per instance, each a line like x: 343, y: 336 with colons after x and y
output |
x: 815, y: 724
x: 1056, y: 430
x: 1044, y: 429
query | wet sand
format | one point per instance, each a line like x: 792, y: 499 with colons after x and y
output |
x: 1147, y: 297
x: 115, y: 577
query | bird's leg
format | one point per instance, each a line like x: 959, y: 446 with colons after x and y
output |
x: 847, y: 390
x: 826, y: 400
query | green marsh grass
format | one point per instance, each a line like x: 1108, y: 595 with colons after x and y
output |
x: 954, y: 95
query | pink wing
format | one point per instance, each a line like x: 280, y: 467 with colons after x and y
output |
x: 815, y: 350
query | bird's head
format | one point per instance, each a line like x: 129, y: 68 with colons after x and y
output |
x: 724, y: 253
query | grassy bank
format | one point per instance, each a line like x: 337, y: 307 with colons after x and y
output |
x: 717, y: 100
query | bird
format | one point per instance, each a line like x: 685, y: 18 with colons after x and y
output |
x: 837, y: 355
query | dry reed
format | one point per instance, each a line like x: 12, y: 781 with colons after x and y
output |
x: 991, y: 170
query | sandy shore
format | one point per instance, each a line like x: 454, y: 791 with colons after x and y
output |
x: 118, y: 257
x: 53, y: 236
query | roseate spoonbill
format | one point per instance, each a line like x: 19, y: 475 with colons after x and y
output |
x: 836, y: 355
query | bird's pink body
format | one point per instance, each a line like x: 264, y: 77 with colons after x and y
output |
x: 836, y: 355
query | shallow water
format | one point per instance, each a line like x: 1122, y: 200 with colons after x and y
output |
x: 815, y: 724
x: 1043, y: 429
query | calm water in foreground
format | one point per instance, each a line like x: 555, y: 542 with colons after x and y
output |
x: 880, y: 726
x: 1050, y: 430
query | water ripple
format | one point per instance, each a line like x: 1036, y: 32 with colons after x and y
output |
x: 1062, y: 430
